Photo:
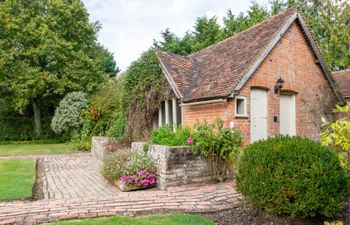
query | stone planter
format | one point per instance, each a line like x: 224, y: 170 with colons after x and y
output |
x: 123, y: 187
x: 176, y: 165
x: 99, y: 147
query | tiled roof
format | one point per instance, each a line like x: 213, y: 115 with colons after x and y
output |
x: 216, y: 70
x: 343, y: 80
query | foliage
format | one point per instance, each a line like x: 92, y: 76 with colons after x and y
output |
x: 206, y: 32
x: 108, y: 65
x: 143, y: 89
x: 293, y: 176
x: 174, y: 44
x: 130, y: 168
x: 67, y: 114
x: 117, y: 127
x: 212, y: 141
x: 235, y: 25
x: 48, y: 49
x: 337, y: 133
x: 218, y: 144
x: 103, y: 116
x: 333, y: 223
x: 17, y: 177
x: 19, y: 127
x: 166, y: 136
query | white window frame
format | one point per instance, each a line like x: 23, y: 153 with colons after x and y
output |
x: 245, y: 114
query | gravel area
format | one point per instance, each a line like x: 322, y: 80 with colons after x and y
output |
x: 245, y: 215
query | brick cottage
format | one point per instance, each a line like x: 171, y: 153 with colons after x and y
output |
x: 270, y: 79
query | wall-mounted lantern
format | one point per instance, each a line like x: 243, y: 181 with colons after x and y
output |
x: 279, y: 85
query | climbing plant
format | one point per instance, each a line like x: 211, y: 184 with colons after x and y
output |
x: 144, y: 88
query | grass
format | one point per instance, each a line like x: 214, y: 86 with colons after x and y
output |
x: 17, y: 177
x: 34, y: 149
x: 174, y: 219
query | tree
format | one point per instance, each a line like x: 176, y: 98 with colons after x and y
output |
x: 48, y: 49
x: 206, y: 32
x: 174, y: 44
x: 108, y: 64
x: 234, y: 25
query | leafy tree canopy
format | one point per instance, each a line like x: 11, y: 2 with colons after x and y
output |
x: 48, y: 49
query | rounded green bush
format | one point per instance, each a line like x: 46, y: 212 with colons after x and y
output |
x: 293, y: 176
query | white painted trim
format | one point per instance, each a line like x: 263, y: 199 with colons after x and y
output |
x: 203, y: 102
x: 160, y: 116
x: 170, y: 79
x: 245, y: 114
x: 272, y: 44
x: 174, y: 113
x: 167, y: 113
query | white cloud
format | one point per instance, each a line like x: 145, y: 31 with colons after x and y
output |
x: 130, y: 26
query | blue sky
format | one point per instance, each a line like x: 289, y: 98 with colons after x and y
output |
x: 129, y: 26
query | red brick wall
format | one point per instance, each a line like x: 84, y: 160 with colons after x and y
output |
x: 294, y: 60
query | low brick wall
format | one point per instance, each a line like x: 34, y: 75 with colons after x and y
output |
x: 99, y: 147
x: 176, y: 165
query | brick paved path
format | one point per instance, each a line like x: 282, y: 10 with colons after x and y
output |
x: 73, y: 188
x: 73, y: 176
x: 190, y: 198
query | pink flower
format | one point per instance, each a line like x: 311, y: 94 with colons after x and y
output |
x: 145, y: 182
x: 151, y: 176
x: 138, y: 183
x: 190, y: 140
x: 142, y: 166
x: 130, y: 181
x: 123, y: 179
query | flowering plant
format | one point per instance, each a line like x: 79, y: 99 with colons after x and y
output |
x: 130, y: 168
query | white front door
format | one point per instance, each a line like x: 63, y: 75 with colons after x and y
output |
x: 287, y: 115
x: 258, y: 114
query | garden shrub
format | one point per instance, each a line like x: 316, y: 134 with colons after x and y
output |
x: 218, y: 144
x: 130, y: 168
x: 117, y: 126
x: 293, y: 176
x: 166, y: 136
x: 337, y: 134
x: 67, y: 114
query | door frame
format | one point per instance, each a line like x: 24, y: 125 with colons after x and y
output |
x: 266, y: 91
x: 293, y: 132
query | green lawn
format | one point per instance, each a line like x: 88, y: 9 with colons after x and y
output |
x: 17, y: 177
x: 144, y: 220
x: 34, y: 149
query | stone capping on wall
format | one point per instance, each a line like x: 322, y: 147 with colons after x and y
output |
x: 176, y: 165
x: 99, y: 146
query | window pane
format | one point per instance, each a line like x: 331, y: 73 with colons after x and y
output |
x: 240, y: 106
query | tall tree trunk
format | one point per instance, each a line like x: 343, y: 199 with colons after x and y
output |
x: 37, y: 118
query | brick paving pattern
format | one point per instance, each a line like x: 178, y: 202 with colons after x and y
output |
x: 74, y: 176
x: 182, y: 199
x: 73, y: 188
